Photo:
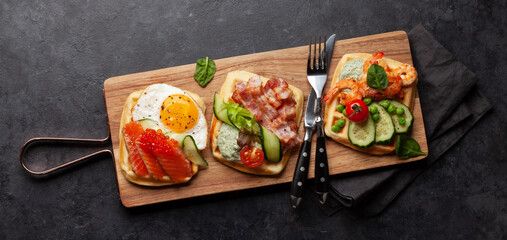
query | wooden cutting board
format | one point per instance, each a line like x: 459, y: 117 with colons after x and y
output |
x: 289, y: 64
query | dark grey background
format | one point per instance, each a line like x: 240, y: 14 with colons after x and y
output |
x: 56, y: 54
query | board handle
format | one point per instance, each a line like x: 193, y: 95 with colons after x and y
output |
x: 52, y: 140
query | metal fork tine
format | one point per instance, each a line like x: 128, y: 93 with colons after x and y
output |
x: 319, y: 62
x: 320, y: 53
x: 308, y: 66
x: 324, y: 61
x: 315, y: 54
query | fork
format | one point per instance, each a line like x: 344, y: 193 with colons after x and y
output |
x: 317, y: 76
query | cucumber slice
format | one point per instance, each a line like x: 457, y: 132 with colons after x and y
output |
x: 192, y: 152
x: 384, y: 127
x: 362, y: 134
x: 178, y: 137
x: 271, y: 145
x: 409, y: 118
x: 152, y: 124
x: 220, y: 109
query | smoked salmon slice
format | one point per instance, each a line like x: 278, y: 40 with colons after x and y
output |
x: 151, y: 152
x: 131, y: 132
x: 144, y: 144
x: 171, y: 158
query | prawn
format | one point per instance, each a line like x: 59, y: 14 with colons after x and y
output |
x: 376, y: 59
x: 347, y: 89
x: 392, y: 90
x: 371, y: 60
x: 407, y: 73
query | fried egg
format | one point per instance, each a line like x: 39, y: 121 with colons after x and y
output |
x: 174, y: 111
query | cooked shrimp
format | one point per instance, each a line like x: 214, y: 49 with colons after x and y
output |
x: 392, y: 90
x: 374, y: 58
x: 330, y: 93
x: 383, y: 64
x: 407, y: 73
x: 347, y: 90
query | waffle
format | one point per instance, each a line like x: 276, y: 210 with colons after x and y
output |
x: 123, y: 156
x: 266, y: 168
x: 331, y: 115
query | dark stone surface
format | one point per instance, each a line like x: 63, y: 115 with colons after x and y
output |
x: 55, y: 56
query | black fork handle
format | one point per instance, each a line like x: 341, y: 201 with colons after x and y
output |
x: 301, y: 170
x: 321, y: 166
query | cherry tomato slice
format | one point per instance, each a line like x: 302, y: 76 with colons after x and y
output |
x: 357, y: 110
x: 251, y: 156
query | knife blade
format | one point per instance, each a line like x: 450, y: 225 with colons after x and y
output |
x: 321, y: 163
x: 301, y: 171
x: 329, y: 49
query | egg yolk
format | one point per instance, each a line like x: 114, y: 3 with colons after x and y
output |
x: 179, y: 113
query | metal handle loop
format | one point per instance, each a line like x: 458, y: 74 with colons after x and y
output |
x: 63, y: 140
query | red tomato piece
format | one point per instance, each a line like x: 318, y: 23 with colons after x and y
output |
x: 357, y: 110
x: 251, y: 156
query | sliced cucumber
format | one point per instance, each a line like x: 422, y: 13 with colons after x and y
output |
x: 409, y: 118
x: 271, y: 145
x: 362, y: 134
x: 220, y: 109
x: 192, y: 152
x: 152, y: 124
x: 178, y: 137
x: 384, y: 127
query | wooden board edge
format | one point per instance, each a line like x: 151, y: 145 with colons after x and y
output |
x: 113, y: 155
x: 149, y: 73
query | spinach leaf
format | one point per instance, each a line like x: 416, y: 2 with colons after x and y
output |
x: 204, y: 71
x: 407, y: 147
x: 376, y: 77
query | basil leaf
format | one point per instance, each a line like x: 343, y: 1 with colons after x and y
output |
x: 204, y: 71
x: 376, y: 77
x: 407, y: 147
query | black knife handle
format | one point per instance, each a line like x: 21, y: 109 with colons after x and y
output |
x: 300, y: 173
x: 321, y: 164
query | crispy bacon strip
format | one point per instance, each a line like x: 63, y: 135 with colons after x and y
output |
x: 273, y: 106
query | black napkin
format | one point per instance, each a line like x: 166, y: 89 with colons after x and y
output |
x: 451, y: 105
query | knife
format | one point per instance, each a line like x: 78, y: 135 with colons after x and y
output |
x: 303, y: 162
x: 321, y: 163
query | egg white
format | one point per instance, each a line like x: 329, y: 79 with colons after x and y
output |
x: 150, y: 103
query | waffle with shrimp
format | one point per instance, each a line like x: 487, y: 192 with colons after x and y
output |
x: 331, y: 114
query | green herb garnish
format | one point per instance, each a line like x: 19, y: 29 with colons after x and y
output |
x: 407, y: 147
x: 204, y: 71
x: 376, y: 77
x: 242, y: 118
